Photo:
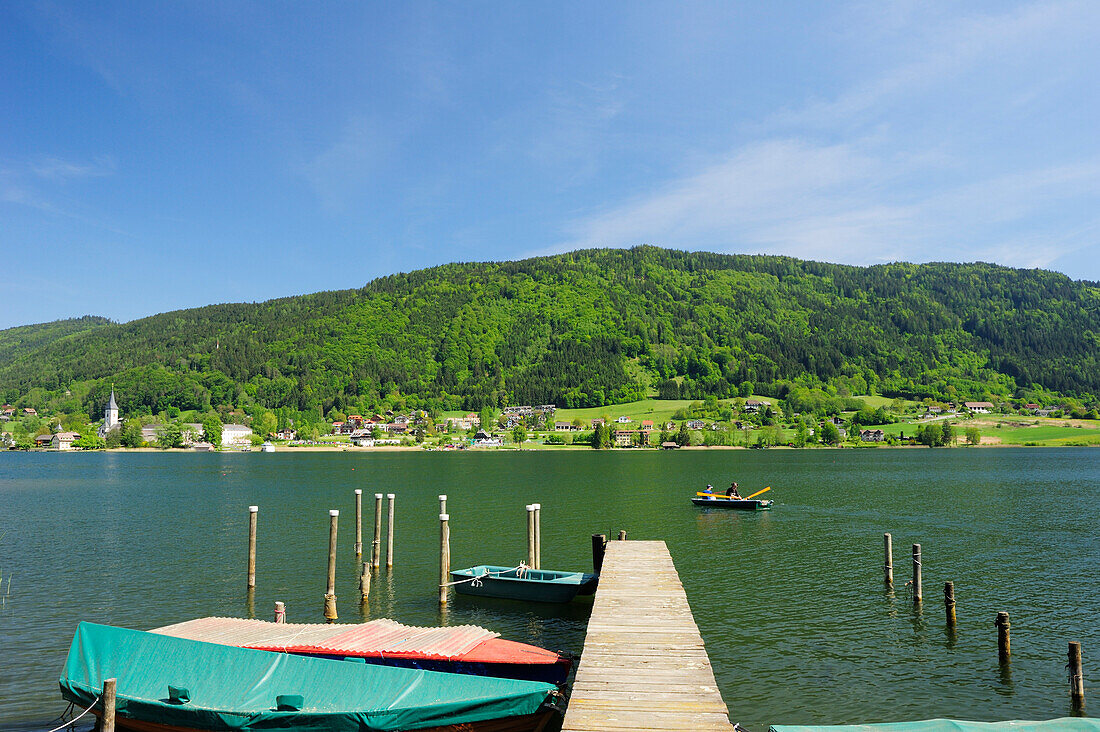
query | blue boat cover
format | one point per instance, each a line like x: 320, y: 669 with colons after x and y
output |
x: 231, y: 688
x: 1065, y: 724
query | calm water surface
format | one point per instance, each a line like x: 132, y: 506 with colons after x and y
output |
x: 790, y: 602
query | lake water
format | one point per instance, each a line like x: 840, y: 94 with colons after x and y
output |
x: 790, y: 602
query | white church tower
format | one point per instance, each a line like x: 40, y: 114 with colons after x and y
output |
x: 110, y: 415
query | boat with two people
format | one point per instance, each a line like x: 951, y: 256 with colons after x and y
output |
x: 732, y: 499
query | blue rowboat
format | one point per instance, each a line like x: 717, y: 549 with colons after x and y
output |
x: 522, y: 583
x: 735, y: 503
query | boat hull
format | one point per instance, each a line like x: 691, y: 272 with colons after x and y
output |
x: 739, y: 505
x: 530, y: 585
x: 538, y: 722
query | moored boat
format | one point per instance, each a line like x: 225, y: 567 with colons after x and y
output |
x: 169, y: 684
x: 743, y: 504
x: 523, y: 583
x: 464, y: 649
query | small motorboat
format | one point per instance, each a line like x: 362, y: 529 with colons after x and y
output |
x: 169, y: 684
x: 523, y: 583
x: 459, y: 649
x: 742, y: 504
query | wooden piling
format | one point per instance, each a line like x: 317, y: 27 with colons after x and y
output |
x: 918, y: 592
x: 538, y: 535
x: 622, y: 536
x: 389, y: 532
x: 1076, y: 678
x: 107, y: 721
x: 530, y: 535
x: 888, y: 552
x: 358, y: 522
x: 252, y: 512
x: 949, y: 602
x: 364, y: 582
x: 444, y: 556
x: 280, y: 612
x: 330, y: 593
x: 599, y: 542
x: 443, y: 503
x: 376, y: 547
x: 1004, y: 648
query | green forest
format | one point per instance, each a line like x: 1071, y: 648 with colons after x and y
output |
x: 583, y: 329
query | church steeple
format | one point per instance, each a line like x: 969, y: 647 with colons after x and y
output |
x: 110, y: 415
x: 111, y: 404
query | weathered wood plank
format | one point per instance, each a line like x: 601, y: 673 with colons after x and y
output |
x: 644, y: 666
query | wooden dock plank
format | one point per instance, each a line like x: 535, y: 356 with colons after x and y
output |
x: 644, y: 667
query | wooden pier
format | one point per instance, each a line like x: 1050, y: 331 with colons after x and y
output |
x: 644, y: 666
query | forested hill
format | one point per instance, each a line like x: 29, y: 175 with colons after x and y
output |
x: 589, y: 328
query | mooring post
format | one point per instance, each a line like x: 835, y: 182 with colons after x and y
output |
x: 252, y: 512
x: 1076, y: 679
x: 888, y: 551
x: 622, y: 535
x: 918, y: 593
x: 538, y: 535
x: 389, y: 532
x: 444, y: 556
x: 358, y: 522
x: 1004, y: 649
x: 107, y: 723
x: 364, y: 582
x: 330, y: 593
x: 280, y: 612
x: 443, y: 503
x: 599, y: 541
x: 530, y: 535
x: 376, y: 547
x: 949, y: 602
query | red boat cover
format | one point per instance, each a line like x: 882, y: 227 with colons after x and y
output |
x: 376, y: 638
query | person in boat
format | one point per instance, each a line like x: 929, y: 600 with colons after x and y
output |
x: 732, y: 493
x: 709, y: 491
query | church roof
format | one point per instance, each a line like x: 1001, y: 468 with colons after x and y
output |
x: 111, y: 404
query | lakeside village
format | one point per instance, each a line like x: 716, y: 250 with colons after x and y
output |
x: 748, y: 422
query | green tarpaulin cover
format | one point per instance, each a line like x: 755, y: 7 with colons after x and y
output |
x: 1066, y: 724
x: 235, y: 688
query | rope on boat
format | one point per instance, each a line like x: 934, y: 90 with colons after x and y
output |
x: 74, y: 719
x: 520, y: 570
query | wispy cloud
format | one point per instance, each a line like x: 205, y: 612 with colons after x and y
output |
x: 363, y: 147
x: 59, y: 169
x: 848, y: 179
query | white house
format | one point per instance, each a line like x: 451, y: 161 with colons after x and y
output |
x: 979, y: 407
x: 64, y: 440
x: 362, y: 438
x: 236, y: 435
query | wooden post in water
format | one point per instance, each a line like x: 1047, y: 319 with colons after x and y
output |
x: 252, y: 511
x: 949, y: 602
x: 538, y: 535
x: 376, y: 547
x: 888, y: 551
x: 599, y: 541
x: 107, y: 722
x: 358, y: 522
x: 364, y: 582
x: 280, y: 612
x: 389, y: 532
x: 530, y: 535
x: 918, y: 593
x: 1004, y: 648
x: 622, y: 535
x: 443, y: 503
x: 444, y: 556
x: 1076, y: 679
x: 330, y: 593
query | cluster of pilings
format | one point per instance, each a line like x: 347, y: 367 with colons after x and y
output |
x: 1002, y: 622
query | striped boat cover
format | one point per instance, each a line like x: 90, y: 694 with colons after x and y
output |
x: 373, y: 638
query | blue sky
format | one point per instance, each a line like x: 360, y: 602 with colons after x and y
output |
x: 156, y: 156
